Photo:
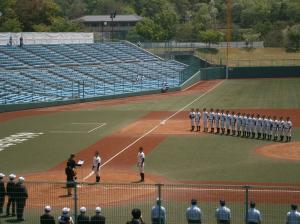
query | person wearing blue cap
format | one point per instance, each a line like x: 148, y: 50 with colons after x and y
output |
x: 193, y: 213
x: 223, y: 213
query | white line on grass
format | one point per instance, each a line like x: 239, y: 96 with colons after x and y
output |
x: 155, y: 127
x: 94, y: 129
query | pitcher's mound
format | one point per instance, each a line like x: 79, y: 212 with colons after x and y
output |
x: 287, y: 151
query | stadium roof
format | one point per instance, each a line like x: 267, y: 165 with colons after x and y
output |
x: 106, y: 18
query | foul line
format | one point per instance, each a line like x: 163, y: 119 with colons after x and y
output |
x: 155, y: 127
x: 101, y: 125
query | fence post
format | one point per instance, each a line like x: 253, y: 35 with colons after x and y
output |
x: 246, y: 202
x: 159, y: 198
x: 75, y: 202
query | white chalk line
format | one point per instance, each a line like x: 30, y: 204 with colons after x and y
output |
x: 79, y: 132
x: 94, y: 129
x: 155, y: 127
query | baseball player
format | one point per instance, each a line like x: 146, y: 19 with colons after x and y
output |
x: 82, y: 218
x: 252, y: 125
x: 141, y: 163
x: 2, y: 192
x: 233, y: 123
x: 288, y: 129
x: 192, y: 118
x: 223, y: 214
x: 211, y: 120
x: 98, y: 218
x: 193, y: 213
x: 264, y: 126
x: 293, y: 216
x: 223, y: 119
x: 238, y: 124
x: 258, y: 126
x: 11, y: 193
x: 228, y: 120
x: 244, y: 121
x: 205, y: 117
x: 269, y: 128
x: 274, y: 128
x: 47, y: 218
x: 254, y: 216
x: 96, y: 166
x: 281, y: 128
x: 217, y: 120
x: 197, y: 119
x: 248, y: 125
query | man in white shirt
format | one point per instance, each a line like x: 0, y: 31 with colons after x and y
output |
x: 192, y: 115
x: 288, y: 129
x: 205, y: 118
x: 158, y: 213
x: 96, y: 166
x: 228, y: 124
x: 293, y: 216
x: 141, y: 163
x: 211, y: 120
x: 254, y: 216
x: 193, y: 213
x: 223, y: 119
x: 223, y: 214
x: 197, y: 119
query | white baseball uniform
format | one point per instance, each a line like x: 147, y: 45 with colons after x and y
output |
x: 217, y: 119
x: 281, y: 127
x: 205, y: 117
x: 233, y: 122
x: 288, y: 128
x: 269, y: 126
x: 192, y: 118
x: 274, y: 128
x: 248, y: 123
x: 228, y: 120
x: 239, y: 123
x: 96, y: 165
x: 264, y: 126
x: 258, y: 125
x: 223, y: 119
x: 141, y: 161
x: 211, y: 119
x: 197, y: 118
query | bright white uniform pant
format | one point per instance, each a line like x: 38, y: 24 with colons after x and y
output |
x: 258, y: 129
x: 288, y: 132
x: 211, y: 123
x: 205, y: 123
x: 269, y: 131
x: 217, y: 124
x: 222, y: 124
x: 197, y: 122
x: 227, y: 125
x: 141, y: 168
x: 238, y: 127
x: 274, y: 132
x: 192, y: 122
x: 248, y: 128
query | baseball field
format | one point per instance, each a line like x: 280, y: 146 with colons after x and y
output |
x: 36, y: 144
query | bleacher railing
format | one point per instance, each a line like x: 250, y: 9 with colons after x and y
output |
x: 117, y: 200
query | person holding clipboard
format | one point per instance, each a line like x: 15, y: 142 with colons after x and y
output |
x: 71, y: 173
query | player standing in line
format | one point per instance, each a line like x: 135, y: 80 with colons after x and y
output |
x: 141, y: 163
x: 205, y: 117
x: 192, y: 118
x: 228, y: 120
x: 197, y: 119
x: 269, y: 127
x: 274, y: 128
x: 244, y: 119
x: 281, y: 128
x: 258, y: 126
x: 238, y: 124
x: 252, y: 126
x: 233, y: 122
x: 288, y: 129
x: 264, y: 127
x: 223, y: 119
x: 96, y: 166
x: 211, y: 120
x: 248, y: 125
x: 217, y: 120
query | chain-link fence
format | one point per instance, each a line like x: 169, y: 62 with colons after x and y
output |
x: 117, y: 201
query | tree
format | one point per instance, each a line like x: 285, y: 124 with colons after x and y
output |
x: 210, y: 37
x: 11, y: 25
x: 149, y: 30
x: 293, y: 37
x: 250, y: 36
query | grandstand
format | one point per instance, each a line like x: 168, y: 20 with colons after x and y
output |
x: 59, y: 72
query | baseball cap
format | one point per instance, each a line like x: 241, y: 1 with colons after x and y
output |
x: 65, y: 210
x: 98, y: 209
x: 222, y: 202
x: 47, y: 208
x: 21, y: 179
x: 12, y: 176
x: 2, y: 175
x: 193, y: 201
x: 82, y: 209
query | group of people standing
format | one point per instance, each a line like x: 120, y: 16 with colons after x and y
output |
x: 242, y: 124
x: 17, y: 195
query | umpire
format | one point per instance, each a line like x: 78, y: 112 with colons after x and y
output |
x: 11, y: 192
x: 2, y: 192
x: 98, y: 218
x: 22, y: 195
x: 82, y: 218
x: 46, y: 218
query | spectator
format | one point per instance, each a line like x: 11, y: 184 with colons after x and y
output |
x: 98, y: 218
x: 10, y: 41
x: 46, y: 218
x: 293, y: 216
x: 2, y: 192
x: 136, y: 217
x: 82, y: 217
x: 164, y: 87
x: 193, y: 213
x: 65, y: 218
x: 21, y: 198
x: 158, y: 213
x: 11, y: 192
x: 223, y: 214
x: 254, y: 216
x: 21, y: 41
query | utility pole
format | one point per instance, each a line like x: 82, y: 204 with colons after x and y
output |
x: 228, y: 31
x: 112, y: 16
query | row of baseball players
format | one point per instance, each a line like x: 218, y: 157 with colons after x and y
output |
x: 242, y: 124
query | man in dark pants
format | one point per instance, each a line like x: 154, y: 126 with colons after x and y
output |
x: 82, y: 217
x: 21, y: 197
x: 2, y: 192
x: 98, y: 218
x: 71, y: 173
x: 136, y: 217
x: 11, y: 191
x: 46, y: 218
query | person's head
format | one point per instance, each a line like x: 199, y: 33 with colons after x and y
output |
x: 141, y: 149
x: 248, y: 115
x: 257, y: 115
x: 274, y: 118
x: 204, y: 109
x: 232, y: 112
x: 82, y: 210
x: 288, y: 118
x: 252, y: 204
x: 1, y: 176
x: 222, y: 202
x: 65, y: 211
x: 294, y: 207
x: 47, y: 209
x: 136, y: 213
x: 269, y: 117
x: 280, y: 118
x: 96, y: 153
x: 72, y: 156
x: 158, y: 201
x: 21, y: 180
x: 211, y: 109
x: 222, y: 111
x: 217, y: 110
x: 193, y: 202
x: 197, y: 109
x: 192, y: 109
x: 11, y: 177
x: 98, y: 210
x: 227, y: 112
